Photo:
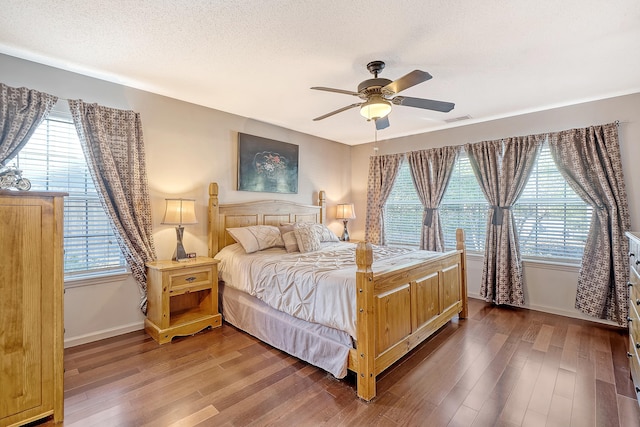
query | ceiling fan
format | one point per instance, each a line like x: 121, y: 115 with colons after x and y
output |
x: 378, y: 95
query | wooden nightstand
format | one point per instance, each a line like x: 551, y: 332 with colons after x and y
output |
x: 182, y: 298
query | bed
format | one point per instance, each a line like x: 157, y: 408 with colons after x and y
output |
x: 398, y: 303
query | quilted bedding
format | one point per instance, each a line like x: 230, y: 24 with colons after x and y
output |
x: 318, y: 286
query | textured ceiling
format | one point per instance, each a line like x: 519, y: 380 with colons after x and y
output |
x: 258, y: 59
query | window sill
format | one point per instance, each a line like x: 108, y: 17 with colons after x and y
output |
x: 535, y: 263
x: 95, y: 279
x: 559, y: 265
x: 551, y: 265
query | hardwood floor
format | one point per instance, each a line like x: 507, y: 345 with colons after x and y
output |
x: 500, y: 367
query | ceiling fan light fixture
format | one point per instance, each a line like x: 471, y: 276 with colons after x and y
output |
x: 375, y: 108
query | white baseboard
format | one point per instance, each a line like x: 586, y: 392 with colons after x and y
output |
x: 100, y: 335
x: 575, y: 314
x: 136, y: 326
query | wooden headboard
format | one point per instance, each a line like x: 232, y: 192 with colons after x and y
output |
x: 262, y: 212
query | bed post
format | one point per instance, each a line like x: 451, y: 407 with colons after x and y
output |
x: 365, y: 325
x: 213, y: 219
x: 460, y: 245
x: 322, y: 202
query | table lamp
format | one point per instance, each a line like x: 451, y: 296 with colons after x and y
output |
x: 345, y: 212
x: 179, y: 212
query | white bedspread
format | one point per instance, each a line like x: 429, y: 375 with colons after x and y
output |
x: 318, y: 287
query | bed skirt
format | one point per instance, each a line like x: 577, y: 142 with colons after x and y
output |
x: 319, y: 345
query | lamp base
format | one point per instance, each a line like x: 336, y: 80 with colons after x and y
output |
x: 180, y: 254
x: 345, y: 233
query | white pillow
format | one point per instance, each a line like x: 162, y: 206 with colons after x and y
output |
x: 306, y: 237
x: 257, y: 237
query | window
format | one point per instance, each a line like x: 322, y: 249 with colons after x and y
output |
x: 463, y: 205
x: 551, y: 220
x: 53, y: 161
x: 403, y: 211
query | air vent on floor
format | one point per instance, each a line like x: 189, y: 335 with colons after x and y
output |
x: 457, y: 119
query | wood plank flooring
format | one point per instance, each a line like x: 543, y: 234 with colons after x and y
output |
x: 500, y: 367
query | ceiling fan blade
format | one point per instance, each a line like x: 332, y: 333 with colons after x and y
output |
x: 427, y: 104
x: 329, y: 89
x: 382, y: 123
x: 340, y: 110
x: 405, y: 82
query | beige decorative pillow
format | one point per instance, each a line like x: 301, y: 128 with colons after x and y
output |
x: 306, y: 237
x: 321, y: 230
x: 257, y: 237
x: 324, y: 234
x: 289, y: 238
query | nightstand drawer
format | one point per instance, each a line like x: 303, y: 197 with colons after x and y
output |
x: 191, y: 280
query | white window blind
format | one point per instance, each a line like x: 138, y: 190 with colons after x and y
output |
x: 53, y: 161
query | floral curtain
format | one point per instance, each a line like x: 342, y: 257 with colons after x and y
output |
x: 502, y: 168
x: 589, y: 159
x: 430, y: 171
x: 112, y: 143
x: 21, y: 112
x: 383, y: 171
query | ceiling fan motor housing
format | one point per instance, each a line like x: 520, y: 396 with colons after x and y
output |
x: 372, y: 86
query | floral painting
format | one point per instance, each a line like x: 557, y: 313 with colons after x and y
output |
x: 266, y: 165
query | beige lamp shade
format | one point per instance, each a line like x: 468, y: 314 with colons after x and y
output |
x: 345, y: 211
x: 180, y: 211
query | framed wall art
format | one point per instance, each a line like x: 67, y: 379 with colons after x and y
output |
x: 266, y: 165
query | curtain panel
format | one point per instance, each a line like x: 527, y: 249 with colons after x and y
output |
x: 383, y: 171
x: 113, y: 146
x: 431, y: 171
x: 502, y: 168
x: 589, y: 159
x: 21, y: 112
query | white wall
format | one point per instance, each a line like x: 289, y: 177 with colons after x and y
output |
x: 547, y: 288
x: 187, y: 146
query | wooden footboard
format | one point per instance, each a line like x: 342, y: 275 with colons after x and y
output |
x: 399, y: 309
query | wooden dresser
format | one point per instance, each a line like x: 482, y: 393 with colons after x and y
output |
x: 634, y: 309
x: 31, y: 314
